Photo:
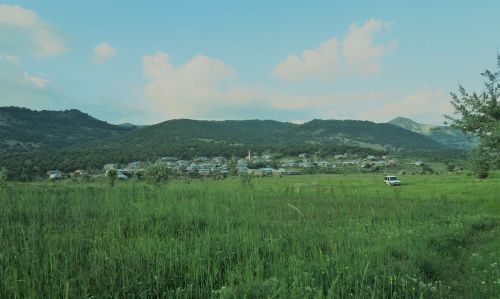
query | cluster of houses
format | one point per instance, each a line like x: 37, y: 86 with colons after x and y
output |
x: 221, y: 166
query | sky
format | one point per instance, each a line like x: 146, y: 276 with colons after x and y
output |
x: 144, y: 62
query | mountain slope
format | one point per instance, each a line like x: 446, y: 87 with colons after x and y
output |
x: 33, y: 142
x: 445, y: 135
x: 23, y: 129
x: 260, y: 132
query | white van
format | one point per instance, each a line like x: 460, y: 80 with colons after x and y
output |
x: 392, y: 180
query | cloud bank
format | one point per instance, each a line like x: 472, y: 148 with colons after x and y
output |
x: 356, y: 54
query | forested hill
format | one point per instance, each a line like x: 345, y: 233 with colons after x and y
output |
x: 22, y: 129
x: 267, y: 132
x: 33, y: 142
x: 445, y: 135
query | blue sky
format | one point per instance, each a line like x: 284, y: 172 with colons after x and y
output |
x: 149, y: 61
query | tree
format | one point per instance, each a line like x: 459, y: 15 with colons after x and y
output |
x: 111, y: 174
x: 156, y: 173
x: 3, y: 178
x: 479, y: 113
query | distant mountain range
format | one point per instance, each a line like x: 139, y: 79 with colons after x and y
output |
x: 35, y: 141
x: 23, y: 129
x: 445, y: 135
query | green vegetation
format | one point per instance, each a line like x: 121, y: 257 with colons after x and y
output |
x: 25, y: 130
x: 451, y: 137
x: 111, y: 175
x: 36, y: 142
x: 3, y: 178
x: 479, y: 113
x: 156, y: 173
x: 336, y: 236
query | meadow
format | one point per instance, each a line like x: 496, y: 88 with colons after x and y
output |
x: 326, y: 236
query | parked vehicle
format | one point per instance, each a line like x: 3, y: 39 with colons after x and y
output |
x: 392, y: 180
x: 121, y: 176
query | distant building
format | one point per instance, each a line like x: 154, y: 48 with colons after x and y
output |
x: 110, y: 166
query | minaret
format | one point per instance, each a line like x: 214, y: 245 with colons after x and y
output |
x: 249, y: 156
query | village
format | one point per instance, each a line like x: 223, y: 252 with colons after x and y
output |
x: 260, y: 166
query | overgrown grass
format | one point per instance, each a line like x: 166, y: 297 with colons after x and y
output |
x: 293, y: 237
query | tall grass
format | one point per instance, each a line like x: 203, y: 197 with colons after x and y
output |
x: 294, y: 237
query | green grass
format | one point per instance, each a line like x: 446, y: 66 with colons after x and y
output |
x: 334, y: 236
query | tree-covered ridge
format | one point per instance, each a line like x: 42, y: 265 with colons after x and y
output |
x: 22, y: 129
x: 258, y: 132
x: 70, y: 140
x: 446, y: 135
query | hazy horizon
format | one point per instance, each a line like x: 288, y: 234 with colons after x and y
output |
x: 148, y: 62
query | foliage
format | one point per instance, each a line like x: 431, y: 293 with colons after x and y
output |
x: 452, y: 137
x: 479, y: 113
x: 3, y: 178
x: 156, y: 173
x: 51, y: 130
x: 426, y: 169
x: 480, y: 163
x: 111, y: 175
x: 70, y: 140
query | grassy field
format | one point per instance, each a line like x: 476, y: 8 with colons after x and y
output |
x: 334, y: 236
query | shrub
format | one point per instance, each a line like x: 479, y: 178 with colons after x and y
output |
x: 3, y: 178
x: 156, y: 173
x: 111, y: 175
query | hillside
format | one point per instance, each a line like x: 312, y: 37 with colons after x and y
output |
x: 445, y: 135
x: 24, y: 130
x: 340, y: 132
x: 34, y: 142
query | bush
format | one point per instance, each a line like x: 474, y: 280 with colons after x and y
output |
x: 450, y: 167
x: 3, y: 178
x: 156, y: 173
x: 426, y: 169
x: 111, y: 174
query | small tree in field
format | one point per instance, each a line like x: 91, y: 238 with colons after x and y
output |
x: 156, y: 173
x: 3, y: 178
x: 111, y: 174
x: 479, y: 113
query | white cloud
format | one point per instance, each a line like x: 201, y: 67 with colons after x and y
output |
x: 23, y: 30
x: 356, y: 54
x: 427, y: 106
x: 190, y: 90
x: 102, y: 52
x: 37, y: 81
x: 14, y: 15
x: 321, y: 63
x: 361, y: 55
